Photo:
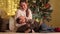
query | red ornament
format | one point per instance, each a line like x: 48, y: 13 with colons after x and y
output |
x: 47, y: 5
x: 44, y: 17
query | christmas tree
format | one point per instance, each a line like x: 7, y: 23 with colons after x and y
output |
x: 41, y: 9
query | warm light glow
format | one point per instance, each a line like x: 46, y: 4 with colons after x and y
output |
x: 9, y: 6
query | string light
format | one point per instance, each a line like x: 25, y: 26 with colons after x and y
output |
x: 9, y: 6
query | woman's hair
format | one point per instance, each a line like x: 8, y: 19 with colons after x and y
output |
x: 27, y: 11
x: 23, y: 1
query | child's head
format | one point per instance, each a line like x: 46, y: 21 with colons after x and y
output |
x: 21, y: 19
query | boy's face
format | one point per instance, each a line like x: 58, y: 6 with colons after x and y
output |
x: 22, y: 19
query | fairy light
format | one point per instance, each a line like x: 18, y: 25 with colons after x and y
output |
x: 9, y: 6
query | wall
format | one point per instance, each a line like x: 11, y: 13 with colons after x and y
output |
x: 55, y: 14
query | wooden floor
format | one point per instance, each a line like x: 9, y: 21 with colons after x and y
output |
x: 29, y: 33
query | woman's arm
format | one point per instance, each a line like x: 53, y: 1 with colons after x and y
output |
x: 17, y: 14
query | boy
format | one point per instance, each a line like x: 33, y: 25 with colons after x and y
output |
x: 22, y: 25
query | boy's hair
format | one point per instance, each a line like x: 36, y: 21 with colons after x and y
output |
x: 17, y: 20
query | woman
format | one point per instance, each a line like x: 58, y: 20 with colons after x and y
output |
x: 23, y: 13
x: 23, y: 10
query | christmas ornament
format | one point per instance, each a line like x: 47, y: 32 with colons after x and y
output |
x: 41, y: 9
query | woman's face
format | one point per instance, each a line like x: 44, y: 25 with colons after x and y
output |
x: 23, y: 5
